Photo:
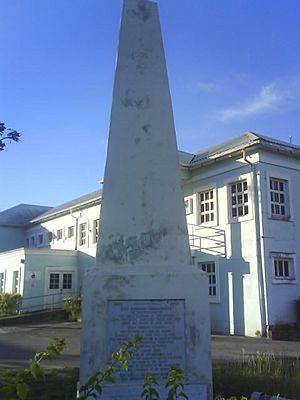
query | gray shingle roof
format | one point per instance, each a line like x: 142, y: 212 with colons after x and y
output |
x: 21, y: 214
x: 87, y: 198
x: 239, y: 142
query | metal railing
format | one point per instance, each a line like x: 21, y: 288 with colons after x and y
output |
x: 52, y: 301
x: 208, y: 240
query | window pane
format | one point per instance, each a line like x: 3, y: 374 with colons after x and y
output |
x: 67, y: 281
x: 54, y: 281
x: 210, y: 269
x: 206, y: 206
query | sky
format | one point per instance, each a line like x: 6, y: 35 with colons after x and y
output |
x: 233, y: 66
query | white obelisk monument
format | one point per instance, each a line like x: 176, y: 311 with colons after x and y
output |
x: 143, y: 282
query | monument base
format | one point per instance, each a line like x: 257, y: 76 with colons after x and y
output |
x: 167, y: 306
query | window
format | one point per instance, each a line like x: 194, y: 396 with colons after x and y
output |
x: 2, y: 282
x: 95, y: 230
x: 283, y: 268
x: 54, y: 281
x: 67, y: 281
x: 50, y: 237
x: 32, y: 240
x: 82, y: 234
x: 15, y: 285
x: 70, y: 232
x: 40, y: 239
x: 59, y: 234
x: 188, y: 203
x: 239, y: 205
x: 27, y: 243
x: 210, y: 269
x: 279, y: 198
x: 206, y: 206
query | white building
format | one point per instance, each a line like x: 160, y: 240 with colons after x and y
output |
x: 244, y: 225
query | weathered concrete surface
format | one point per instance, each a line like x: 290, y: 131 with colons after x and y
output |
x: 143, y: 283
x: 142, y: 215
x: 143, y: 251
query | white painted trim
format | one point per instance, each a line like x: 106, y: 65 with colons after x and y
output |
x: 197, y: 191
x: 199, y: 259
x: 278, y: 281
x: 189, y: 205
x: 230, y: 303
x: 251, y: 198
x: 273, y: 173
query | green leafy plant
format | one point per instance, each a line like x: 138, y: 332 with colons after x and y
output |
x: 9, y: 303
x: 149, y: 391
x: 17, y: 386
x: 175, y: 384
x: 219, y: 397
x: 93, y: 387
x: 72, y: 305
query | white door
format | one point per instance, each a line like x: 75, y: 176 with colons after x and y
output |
x: 60, y: 284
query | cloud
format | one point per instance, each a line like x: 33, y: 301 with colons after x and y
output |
x: 271, y: 97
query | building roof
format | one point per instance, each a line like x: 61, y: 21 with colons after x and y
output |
x: 247, y: 139
x: 25, y: 213
x: 21, y: 214
x: 79, y: 202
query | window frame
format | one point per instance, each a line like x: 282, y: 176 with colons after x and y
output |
x: 71, y: 229
x: 40, y: 239
x: 85, y: 237
x: 2, y: 281
x: 189, y: 205
x: 280, y: 177
x: 50, y: 237
x: 214, y: 210
x: 234, y: 180
x: 215, y: 262
x: 291, y: 258
x: 96, y: 228
x: 55, y: 280
x: 59, y: 234
x: 16, y: 281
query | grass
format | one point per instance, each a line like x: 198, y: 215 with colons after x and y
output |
x: 259, y: 373
x: 262, y: 373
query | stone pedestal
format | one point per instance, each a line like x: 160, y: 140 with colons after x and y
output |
x: 167, y: 306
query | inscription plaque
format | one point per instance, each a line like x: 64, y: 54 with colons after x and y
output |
x: 133, y: 392
x: 160, y: 323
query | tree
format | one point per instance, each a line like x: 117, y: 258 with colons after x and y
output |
x: 7, y: 134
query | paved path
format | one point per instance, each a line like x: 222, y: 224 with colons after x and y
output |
x: 19, y: 343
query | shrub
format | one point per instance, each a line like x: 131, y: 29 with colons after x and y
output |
x: 9, y: 303
x: 73, y: 307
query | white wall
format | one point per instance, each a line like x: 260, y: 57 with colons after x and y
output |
x: 86, y: 215
x: 10, y: 262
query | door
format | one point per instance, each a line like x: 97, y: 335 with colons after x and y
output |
x: 60, y: 284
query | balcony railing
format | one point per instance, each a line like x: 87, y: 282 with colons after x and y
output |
x: 207, y: 240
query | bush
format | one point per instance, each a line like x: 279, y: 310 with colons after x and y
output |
x: 73, y: 307
x: 9, y: 303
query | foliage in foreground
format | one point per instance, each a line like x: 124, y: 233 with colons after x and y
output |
x: 262, y: 372
x: 9, y: 303
x: 17, y: 386
x: 72, y: 305
x: 7, y: 134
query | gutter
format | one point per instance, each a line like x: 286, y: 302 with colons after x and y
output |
x: 258, y: 225
x: 66, y: 211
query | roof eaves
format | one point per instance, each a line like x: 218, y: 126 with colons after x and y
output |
x: 64, y: 211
